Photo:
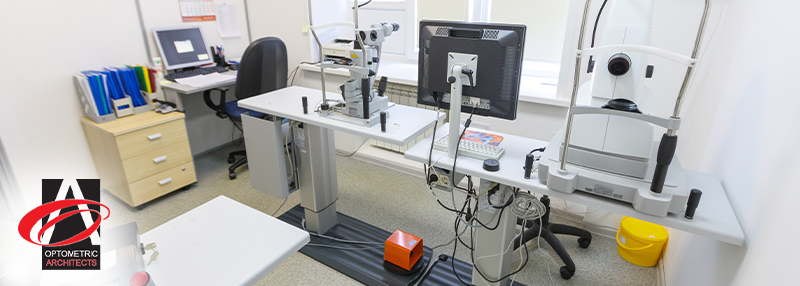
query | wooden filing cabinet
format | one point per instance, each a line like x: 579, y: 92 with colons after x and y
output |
x: 141, y: 157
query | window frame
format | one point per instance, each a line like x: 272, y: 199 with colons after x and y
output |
x: 480, y: 11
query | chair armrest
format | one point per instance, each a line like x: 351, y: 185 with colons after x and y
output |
x: 219, y: 108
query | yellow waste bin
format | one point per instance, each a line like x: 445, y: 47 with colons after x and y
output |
x: 640, y: 242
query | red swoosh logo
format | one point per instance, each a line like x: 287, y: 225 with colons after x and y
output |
x: 34, y: 216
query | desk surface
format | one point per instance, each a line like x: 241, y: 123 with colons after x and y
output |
x: 715, y: 218
x: 221, y: 242
x: 288, y: 103
x: 185, y: 89
x: 134, y: 122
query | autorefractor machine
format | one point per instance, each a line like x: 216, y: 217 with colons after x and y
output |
x: 607, y: 147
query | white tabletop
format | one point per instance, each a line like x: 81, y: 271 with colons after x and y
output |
x: 186, y: 89
x: 288, y: 103
x: 221, y: 242
x: 714, y: 219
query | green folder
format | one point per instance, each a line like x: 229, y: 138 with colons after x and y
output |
x: 140, y: 76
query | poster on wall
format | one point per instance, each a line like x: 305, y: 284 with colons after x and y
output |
x: 197, y: 10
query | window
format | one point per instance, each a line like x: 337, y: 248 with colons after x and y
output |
x: 545, y: 21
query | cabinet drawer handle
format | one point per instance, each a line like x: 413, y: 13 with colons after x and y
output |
x: 160, y: 159
x: 154, y: 136
x: 165, y: 181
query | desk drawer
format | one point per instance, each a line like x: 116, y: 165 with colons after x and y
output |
x: 162, y: 183
x: 157, y: 161
x: 150, y: 139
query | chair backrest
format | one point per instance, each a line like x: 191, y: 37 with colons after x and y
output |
x: 263, y: 68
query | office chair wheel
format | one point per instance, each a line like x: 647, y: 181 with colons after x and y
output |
x: 565, y: 273
x: 232, y: 176
x: 231, y: 159
x: 584, y: 243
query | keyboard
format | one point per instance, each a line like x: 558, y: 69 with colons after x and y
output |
x: 195, y: 72
x: 472, y: 149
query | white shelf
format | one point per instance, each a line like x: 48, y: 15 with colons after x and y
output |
x: 287, y: 103
x: 715, y: 217
x: 241, y: 240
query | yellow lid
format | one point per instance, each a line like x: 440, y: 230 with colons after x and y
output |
x: 643, y: 230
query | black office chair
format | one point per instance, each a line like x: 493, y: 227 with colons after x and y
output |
x: 548, y: 229
x: 263, y: 68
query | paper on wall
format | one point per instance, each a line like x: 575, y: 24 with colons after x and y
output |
x: 226, y: 20
x: 197, y: 10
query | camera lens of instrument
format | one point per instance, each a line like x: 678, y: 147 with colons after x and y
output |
x: 619, y: 64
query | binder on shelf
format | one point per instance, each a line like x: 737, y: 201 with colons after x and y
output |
x: 134, y: 90
x: 152, y: 80
x: 146, y: 75
x: 123, y: 106
x: 91, y: 108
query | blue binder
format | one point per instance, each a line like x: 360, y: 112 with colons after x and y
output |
x: 131, y: 85
x: 97, y: 92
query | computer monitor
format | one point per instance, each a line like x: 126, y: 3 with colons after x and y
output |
x: 499, y: 49
x: 182, y: 47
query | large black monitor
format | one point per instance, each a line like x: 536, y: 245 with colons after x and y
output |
x: 182, y: 47
x: 499, y: 48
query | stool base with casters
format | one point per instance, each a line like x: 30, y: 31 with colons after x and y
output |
x: 547, y: 232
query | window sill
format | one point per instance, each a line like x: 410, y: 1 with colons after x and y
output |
x: 533, y: 89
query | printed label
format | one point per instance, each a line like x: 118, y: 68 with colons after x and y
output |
x: 300, y: 137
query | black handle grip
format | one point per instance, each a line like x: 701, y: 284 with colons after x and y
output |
x: 528, y: 165
x: 383, y: 121
x: 694, y: 201
x: 365, y: 92
x: 382, y: 86
x: 305, y: 105
x: 666, y: 150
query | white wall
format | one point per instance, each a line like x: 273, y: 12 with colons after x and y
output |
x: 167, y: 14
x: 282, y: 19
x: 744, y: 114
x: 44, y: 45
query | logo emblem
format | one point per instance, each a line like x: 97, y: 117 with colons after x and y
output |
x: 70, y: 224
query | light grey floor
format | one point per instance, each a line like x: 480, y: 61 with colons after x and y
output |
x: 389, y: 200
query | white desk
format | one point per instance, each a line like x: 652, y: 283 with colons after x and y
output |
x: 715, y: 218
x: 186, y: 89
x: 206, y: 131
x: 316, y: 166
x: 221, y: 242
x: 288, y: 103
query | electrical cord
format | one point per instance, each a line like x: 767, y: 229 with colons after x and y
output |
x: 279, y: 207
x: 528, y: 207
x: 596, y: 21
x: 594, y: 31
x: 433, y: 138
x: 537, y: 150
x: 363, y: 4
x: 303, y: 224
x: 294, y: 72
x: 525, y: 203
x: 458, y: 142
x: 520, y: 236
x: 236, y: 125
x: 357, y: 149
x: 343, y: 248
x: 455, y: 246
x: 286, y: 147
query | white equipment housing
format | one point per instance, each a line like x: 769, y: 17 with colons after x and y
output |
x: 628, y: 141
x: 611, y: 152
